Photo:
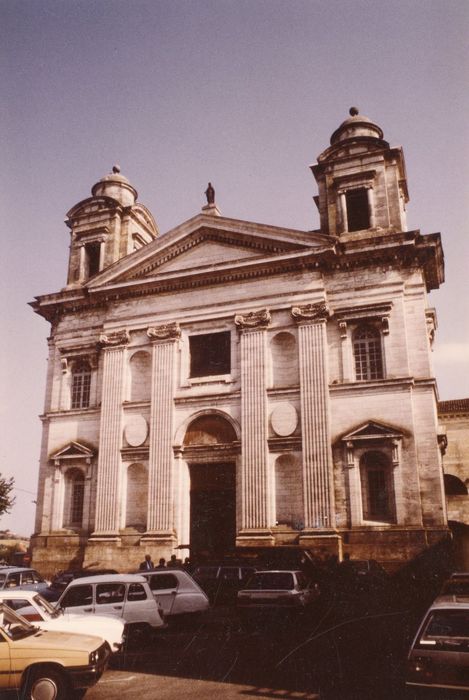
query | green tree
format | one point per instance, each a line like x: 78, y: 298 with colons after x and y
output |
x: 7, y: 500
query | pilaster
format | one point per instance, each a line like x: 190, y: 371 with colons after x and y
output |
x: 315, y: 420
x: 256, y: 500
x: 109, y: 459
x: 160, y: 518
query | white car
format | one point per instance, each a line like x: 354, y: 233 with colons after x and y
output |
x: 124, y: 596
x: 277, y: 590
x: 34, y: 608
x: 177, y: 593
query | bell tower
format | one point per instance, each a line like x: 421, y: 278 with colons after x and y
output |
x: 361, y: 181
x: 105, y: 227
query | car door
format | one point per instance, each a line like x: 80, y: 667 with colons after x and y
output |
x: 164, y: 587
x: 78, y: 599
x: 141, y: 606
x: 5, y: 663
x: 109, y: 599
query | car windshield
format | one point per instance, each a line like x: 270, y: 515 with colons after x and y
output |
x: 46, y: 607
x: 14, y: 626
x: 271, y: 581
x: 455, y: 587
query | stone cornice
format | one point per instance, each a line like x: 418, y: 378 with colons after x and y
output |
x: 389, y: 251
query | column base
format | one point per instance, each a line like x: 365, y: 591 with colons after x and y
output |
x: 160, y: 539
x: 325, y: 542
x: 255, y: 538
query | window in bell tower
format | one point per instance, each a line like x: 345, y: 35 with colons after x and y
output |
x: 92, y: 252
x: 358, y: 215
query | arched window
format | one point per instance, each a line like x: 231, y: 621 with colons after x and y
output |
x: 81, y: 384
x: 377, y: 487
x: 74, y: 498
x: 367, y: 353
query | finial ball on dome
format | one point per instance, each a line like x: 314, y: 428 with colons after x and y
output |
x: 116, y: 168
x: 353, y: 111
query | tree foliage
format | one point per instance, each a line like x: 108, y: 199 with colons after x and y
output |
x: 7, y: 500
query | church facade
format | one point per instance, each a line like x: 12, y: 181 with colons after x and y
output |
x: 230, y: 384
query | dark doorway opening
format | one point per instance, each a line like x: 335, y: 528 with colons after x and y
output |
x: 213, y: 509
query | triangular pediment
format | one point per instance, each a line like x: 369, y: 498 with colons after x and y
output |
x: 372, y: 430
x: 74, y: 450
x: 209, y: 244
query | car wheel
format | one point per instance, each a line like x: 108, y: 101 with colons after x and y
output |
x: 45, y: 684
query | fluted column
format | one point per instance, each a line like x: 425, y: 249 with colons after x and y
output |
x: 315, y: 419
x: 108, y: 495
x: 254, y: 447
x: 160, y: 521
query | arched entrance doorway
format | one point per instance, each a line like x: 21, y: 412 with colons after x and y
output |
x: 210, y: 447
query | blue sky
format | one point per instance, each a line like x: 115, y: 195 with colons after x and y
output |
x: 245, y: 94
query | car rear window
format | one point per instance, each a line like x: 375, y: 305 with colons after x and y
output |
x: 159, y: 582
x: 271, y: 581
x: 136, y: 592
x: 448, y: 629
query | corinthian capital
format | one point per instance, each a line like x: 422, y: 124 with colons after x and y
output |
x: 113, y: 339
x: 168, y: 331
x: 254, y: 319
x: 311, y: 312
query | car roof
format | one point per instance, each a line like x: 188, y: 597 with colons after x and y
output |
x: 14, y: 569
x: 448, y: 603
x: 278, y: 571
x: 108, y: 578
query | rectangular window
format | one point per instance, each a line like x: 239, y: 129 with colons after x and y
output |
x: 76, y: 510
x: 210, y: 354
x: 81, y: 385
x: 358, y: 216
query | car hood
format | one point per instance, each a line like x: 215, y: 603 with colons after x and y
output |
x: 48, y: 640
x: 110, y: 629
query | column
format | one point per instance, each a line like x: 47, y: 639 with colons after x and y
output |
x: 254, y: 447
x: 314, y: 392
x: 371, y: 206
x: 343, y: 211
x: 160, y: 519
x: 108, y: 495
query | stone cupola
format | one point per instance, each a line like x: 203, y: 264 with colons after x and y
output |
x: 106, y: 227
x: 361, y: 181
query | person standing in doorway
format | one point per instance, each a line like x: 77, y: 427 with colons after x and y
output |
x: 147, y: 564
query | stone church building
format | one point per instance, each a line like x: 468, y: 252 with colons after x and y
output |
x: 232, y: 384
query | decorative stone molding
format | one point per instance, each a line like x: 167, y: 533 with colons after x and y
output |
x: 311, y: 312
x: 114, y: 339
x: 360, y: 314
x: 168, y: 331
x: 254, y: 319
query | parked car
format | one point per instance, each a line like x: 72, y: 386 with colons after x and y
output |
x: 34, y: 608
x: 46, y: 664
x: 277, y: 590
x: 177, y: 593
x: 62, y: 578
x: 356, y: 576
x: 439, y: 655
x: 221, y: 582
x: 24, y: 578
x: 125, y: 596
x: 455, y: 589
